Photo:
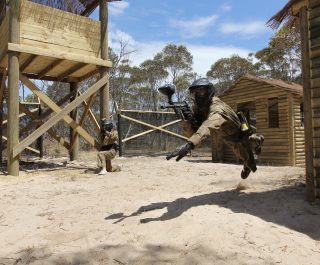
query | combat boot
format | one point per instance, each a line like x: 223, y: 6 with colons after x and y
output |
x: 259, y: 142
x: 245, y: 172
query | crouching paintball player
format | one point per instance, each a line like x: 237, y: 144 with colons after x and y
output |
x: 109, y: 147
x: 210, y: 114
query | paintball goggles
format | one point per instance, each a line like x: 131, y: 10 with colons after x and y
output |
x: 106, y: 125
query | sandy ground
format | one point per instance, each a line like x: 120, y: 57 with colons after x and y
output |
x: 156, y: 212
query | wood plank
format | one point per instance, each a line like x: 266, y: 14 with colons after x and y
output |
x: 67, y: 40
x: 51, y: 132
x: 13, y: 89
x: 70, y: 71
x: 89, y: 74
x: 73, y: 135
x: 154, y: 127
x: 149, y: 131
x: 307, y: 102
x: 28, y: 62
x: 92, y: 117
x: 314, y: 3
x: 297, y: 6
x: 82, y: 119
x: 28, y: 147
x: 50, y: 67
x: 57, y: 54
x: 104, y: 91
x: 314, y: 12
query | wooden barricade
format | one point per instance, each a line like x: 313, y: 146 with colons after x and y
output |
x: 150, y: 128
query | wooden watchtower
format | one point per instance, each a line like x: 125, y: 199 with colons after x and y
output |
x: 53, y: 41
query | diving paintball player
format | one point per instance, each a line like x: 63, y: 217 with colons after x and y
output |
x: 210, y: 114
x: 109, y: 147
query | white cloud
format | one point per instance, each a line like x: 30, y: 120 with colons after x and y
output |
x: 248, y: 28
x: 226, y: 7
x: 119, y: 36
x: 203, y: 55
x: 193, y: 28
x: 118, y: 7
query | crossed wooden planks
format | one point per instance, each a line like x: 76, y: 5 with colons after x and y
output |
x: 61, y: 114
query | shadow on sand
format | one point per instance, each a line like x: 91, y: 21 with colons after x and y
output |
x: 47, y: 165
x: 285, y: 206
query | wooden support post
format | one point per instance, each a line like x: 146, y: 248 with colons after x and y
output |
x: 1, y: 131
x: 80, y: 123
x: 307, y: 108
x: 2, y: 93
x: 40, y: 139
x: 74, y: 137
x: 104, y: 91
x: 119, y: 134
x: 13, y: 95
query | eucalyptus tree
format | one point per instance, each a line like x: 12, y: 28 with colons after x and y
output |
x: 148, y: 77
x: 226, y: 71
x: 282, y: 58
x: 177, y: 61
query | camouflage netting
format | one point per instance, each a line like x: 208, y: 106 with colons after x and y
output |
x: 80, y: 7
x: 284, y: 16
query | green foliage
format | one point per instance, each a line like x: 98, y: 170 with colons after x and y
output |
x: 282, y: 58
x: 177, y: 61
x: 227, y: 70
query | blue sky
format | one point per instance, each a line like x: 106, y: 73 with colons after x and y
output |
x: 210, y: 29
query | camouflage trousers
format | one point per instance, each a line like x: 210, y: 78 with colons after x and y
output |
x: 104, y: 160
x: 244, y: 148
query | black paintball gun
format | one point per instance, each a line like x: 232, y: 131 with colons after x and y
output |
x: 181, y: 109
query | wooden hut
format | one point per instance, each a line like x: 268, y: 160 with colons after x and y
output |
x: 52, y: 40
x: 306, y: 15
x: 274, y: 108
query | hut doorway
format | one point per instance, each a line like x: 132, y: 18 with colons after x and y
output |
x: 249, y: 111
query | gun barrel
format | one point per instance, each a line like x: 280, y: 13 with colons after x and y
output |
x: 175, y: 105
x: 167, y: 107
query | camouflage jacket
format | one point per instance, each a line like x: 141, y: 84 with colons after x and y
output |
x: 109, y: 137
x: 219, y: 118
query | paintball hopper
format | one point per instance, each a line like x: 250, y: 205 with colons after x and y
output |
x: 168, y: 90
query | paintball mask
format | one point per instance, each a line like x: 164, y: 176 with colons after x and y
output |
x: 202, y: 91
x: 106, y: 125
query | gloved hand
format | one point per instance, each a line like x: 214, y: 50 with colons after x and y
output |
x: 188, y: 115
x: 181, y: 151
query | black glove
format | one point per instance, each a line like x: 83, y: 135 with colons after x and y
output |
x: 181, y: 151
x: 187, y: 114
